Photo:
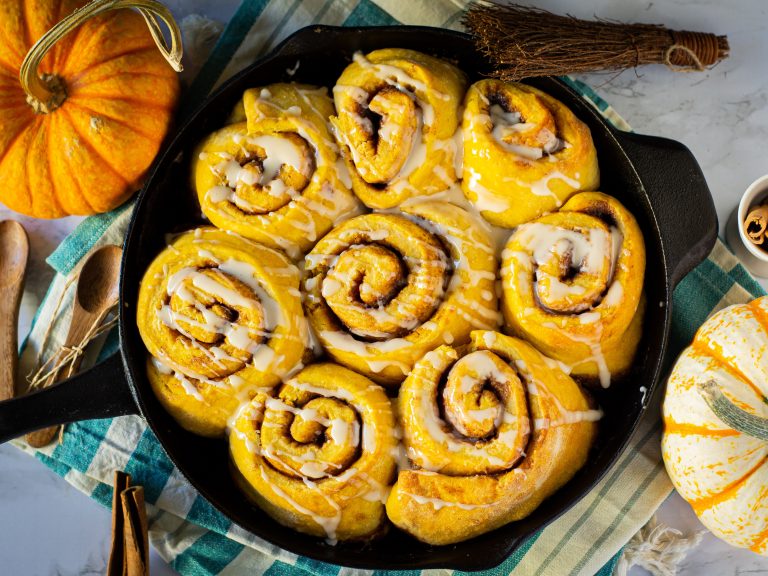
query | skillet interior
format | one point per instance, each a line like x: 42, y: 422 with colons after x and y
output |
x: 168, y: 205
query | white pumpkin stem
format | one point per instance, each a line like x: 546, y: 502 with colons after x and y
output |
x: 731, y: 414
x: 47, y: 92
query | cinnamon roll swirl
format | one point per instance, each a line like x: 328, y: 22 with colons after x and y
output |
x: 573, y: 285
x: 276, y: 177
x: 222, y: 318
x: 525, y: 152
x: 319, y: 455
x: 397, y: 120
x: 384, y: 289
x: 491, y: 430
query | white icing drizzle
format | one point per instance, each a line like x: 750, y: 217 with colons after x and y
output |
x: 588, y: 251
x: 596, y: 351
x: 478, y: 314
x: 300, y: 211
x: 400, y: 79
x: 311, y: 467
x: 239, y: 336
x: 509, y: 426
x: 587, y: 248
x: 279, y: 151
x: 485, y: 199
x: 345, y: 342
x: 565, y: 416
x: 161, y: 367
x: 541, y: 187
x: 329, y: 524
x: 419, y: 148
x: 188, y: 387
x: 438, y: 503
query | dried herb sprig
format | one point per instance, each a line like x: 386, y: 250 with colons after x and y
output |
x: 524, y: 42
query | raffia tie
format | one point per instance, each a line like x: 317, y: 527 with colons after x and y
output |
x: 65, y: 356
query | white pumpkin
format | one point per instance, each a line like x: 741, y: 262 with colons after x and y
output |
x: 715, y: 442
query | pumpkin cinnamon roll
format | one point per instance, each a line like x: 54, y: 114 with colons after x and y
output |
x: 276, y: 177
x: 318, y: 456
x: 397, y: 120
x: 384, y: 289
x: 491, y: 430
x: 221, y: 317
x: 525, y: 152
x: 573, y: 285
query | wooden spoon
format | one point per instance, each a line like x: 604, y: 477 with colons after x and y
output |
x: 14, y: 252
x: 97, y: 293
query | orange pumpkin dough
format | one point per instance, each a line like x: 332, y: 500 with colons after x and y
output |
x: 91, y: 153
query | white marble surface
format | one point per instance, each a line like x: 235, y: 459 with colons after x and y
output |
x: 47, y: 527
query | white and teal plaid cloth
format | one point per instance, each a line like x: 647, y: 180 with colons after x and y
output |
x: 184, y: 528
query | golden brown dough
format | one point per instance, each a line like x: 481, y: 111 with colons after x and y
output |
x: 397, y: 115
x: 222, y: 319
x: 384, y: 289
x: 492, y: 430
x: 275, y: 176
x: 525, y: 152
x: 572, y: 285
x: 319, y: 455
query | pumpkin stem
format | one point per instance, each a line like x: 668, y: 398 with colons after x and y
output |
x: 57, y: 90
x: 47, y: 92
x: 731, y: 414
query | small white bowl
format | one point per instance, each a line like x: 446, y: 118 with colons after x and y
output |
x: 755, y: 259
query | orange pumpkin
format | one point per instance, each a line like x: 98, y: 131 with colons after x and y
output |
x: 81, y: 138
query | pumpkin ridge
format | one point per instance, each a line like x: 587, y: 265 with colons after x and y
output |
x: 6, y: 70
x: 56, y: 50
x: 54, y: 197
x: 701, y: 504
x: 61, y: 64
x: 88, y: 144
x: 101, y: 22
x: 74, y: 180
x: 34, y: 131
x: 127, y: 99
x: 74, y: 75
x: 10, y: 105
x: 719, y: 359
x: 760, y: 539
x: 118, y: 121
x: 12, y: 141
x: 99, y: 80
x: 13, y: 69
x: 760, y: 315
x: 684, y: 429
x: 27, y: 32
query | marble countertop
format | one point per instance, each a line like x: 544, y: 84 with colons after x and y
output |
x: 47, y: 527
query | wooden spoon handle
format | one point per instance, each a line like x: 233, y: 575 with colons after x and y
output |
x: 96, y: 293
x: 10, y: 300
x: 45, y: 436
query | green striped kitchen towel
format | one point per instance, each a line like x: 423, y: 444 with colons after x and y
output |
x: 184, y: 528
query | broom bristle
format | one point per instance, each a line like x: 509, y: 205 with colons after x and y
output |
x: 524, y: 42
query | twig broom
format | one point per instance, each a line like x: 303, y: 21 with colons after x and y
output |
x: 524, y: 42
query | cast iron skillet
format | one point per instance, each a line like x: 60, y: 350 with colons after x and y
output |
x: 657, y: 179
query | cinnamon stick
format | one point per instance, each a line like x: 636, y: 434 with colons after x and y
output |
x: 130, y: 540
x: 117, y: 553
x: 756, y: 225
x: 136, y: 538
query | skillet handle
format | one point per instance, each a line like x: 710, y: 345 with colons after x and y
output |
x: 681, y: 199
x: 100, y: 392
